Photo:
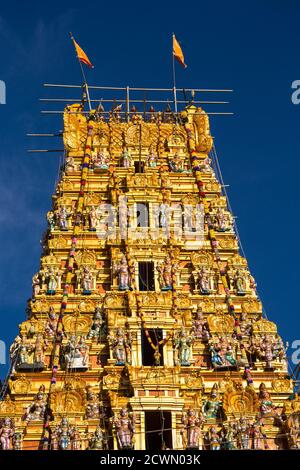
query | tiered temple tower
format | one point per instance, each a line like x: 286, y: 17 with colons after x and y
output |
x: 144, y: 329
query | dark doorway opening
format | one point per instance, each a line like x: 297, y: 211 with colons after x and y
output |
x: 142, y: 214
x: 148, y: 359
x: 146, y: 276
x: 139, y: 167
x: 158, y: 432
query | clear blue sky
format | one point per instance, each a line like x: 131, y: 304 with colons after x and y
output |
x: 251, y: 47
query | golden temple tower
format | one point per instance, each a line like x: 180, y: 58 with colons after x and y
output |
x: 144, y: 329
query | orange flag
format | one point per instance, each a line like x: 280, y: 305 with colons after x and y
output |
x: 177, y: 52
x: 82, y: 57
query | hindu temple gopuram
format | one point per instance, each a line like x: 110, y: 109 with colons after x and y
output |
x: 144, y: 329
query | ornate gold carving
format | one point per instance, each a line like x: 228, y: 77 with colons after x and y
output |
x: 264, y: 326
x: 69, y: 401
x: 220, y: 323
x: 75, y: 127
x: 251, y: 306
x: 203, y: 138
x: 194, y: 380
x: 228, y: 243
x: 31, y: 326
x: 238, y: 400
x: 50, y: 260
x: 114, y: 301
x: 20, y: 385
x: 59, y: 242
x: 7, y: 406
x: 282, y: 385
x: 86, y: 258
x: 78, y: 324
x: 92, y: 199
x: 238, y: 261
x: 140, y: 134
x: 202, y: 258
x: 40, y: 306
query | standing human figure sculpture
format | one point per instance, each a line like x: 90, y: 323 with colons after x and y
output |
x: 212, y: 406
x: 204, y: 281
x: 122, y: 271
x: 240, y: 282
x: 98, y: 325
x: 213, y: 439
x: 51, y: 278
x: 36, y: 285
x: 125, y: 429
x: 51, y: 220
x: 126, y: 159
x: 200, y: 328
x: 165, y: 274
x: 152, y: 159
x: 98, y: 440
x: 121, y: 347
x: 93, y: 219
x: 92, y: 406
x: 86, y: 280
x: 193, y: 423
x: 51, y: 326
x: 7, y: 433
x: 69, y: 164
x: 36, y: 410
x: 62, y: 216
x: 183, y: 349
x: 63, y: 434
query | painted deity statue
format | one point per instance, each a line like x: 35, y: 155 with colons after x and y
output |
x: 69, y: 164
x: 122, y: 271
x: 126, y: 159
x: 268, y: 349
x: 63, y: 434
x: 36, y: 410
x: 176, y: 164
x: 200, y: 328
x: 222, y: 221
x: 213, y: 439
x: 93, y: 219
x: 36, y: 285
x: 62, y: 216
x: 165, y: 274
x: 212, y: 406
x: 243, y: 433
x: 51, y: 220
x: 266, y: 405
x: 101, y: 161
x: 92, y: 406
x: 7, y: 433
x: 193, y: 424
x: 39, y: 349
x: 86, y: 280
x: 152, y: 159
x: 51, y: 326
x: 125, y: 429
x: 51, y: 278
x: 222, y: 354
x: 240, y: 282
x: 183, y: 348
x: 98, y: 325
x: 204, y: 280
x: 76, y: 353
x: 98, y: 440
x: 121, y: 347
x: 205, y: 166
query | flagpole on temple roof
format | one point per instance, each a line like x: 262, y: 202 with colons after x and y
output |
x: 174, y: 76
x: 83, y: 76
